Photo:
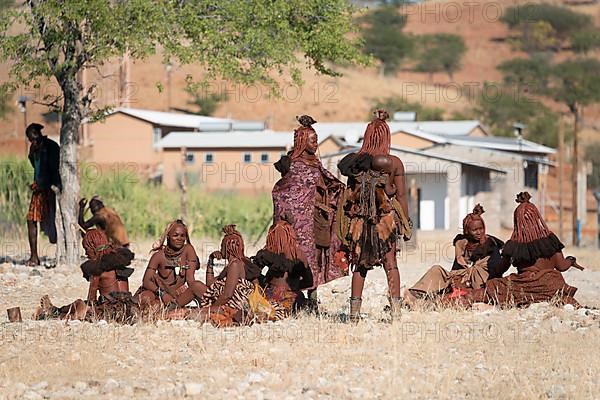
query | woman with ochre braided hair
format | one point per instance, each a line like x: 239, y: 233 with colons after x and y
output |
x: 169, y: 278
x: 536, y: 252
x: 225, y: 302
x: 477, y: 258
x: 287, y: 270
x: 374, y: 212
x: 106, y: 270
x: 309, y: 193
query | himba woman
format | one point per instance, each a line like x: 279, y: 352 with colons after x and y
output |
x: 288, y: 272
x: 103, y: 268
x: 225, y: 302
x: 537, y: 254
x: 374, y: 211
x: 310, y: 193
x: 477, y: 258
x: 169, y: 278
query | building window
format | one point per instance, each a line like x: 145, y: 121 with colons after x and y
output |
x: 189, y: 158
x: 264, y: 158
x: 247, y: 158
x: 209, y: 157
x: 530, y: 170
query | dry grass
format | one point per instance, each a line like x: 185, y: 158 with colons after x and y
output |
x: 540, y: 352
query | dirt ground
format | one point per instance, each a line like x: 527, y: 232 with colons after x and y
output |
x: 541, y: 352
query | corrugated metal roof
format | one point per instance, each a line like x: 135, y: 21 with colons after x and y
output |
x: 449, y: 128
x: 233, y: 139
x: 438, y: 132
x: 502, y: 143
x: 169, y: 118
x: 396, y: 150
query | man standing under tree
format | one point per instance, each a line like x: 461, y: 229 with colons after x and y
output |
x: 44, y: 158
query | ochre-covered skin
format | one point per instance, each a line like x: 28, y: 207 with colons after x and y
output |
x: 104, y: 218
x: 376, y: 144
x: 180, y: 288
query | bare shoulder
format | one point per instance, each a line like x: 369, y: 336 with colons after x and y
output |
x: 189, y: 249
x: 397, y: 165
x: 157, y: 259
x: 461, y: 243
x: 237, y: 266
x: 190, y: 253
x: 388, y: 163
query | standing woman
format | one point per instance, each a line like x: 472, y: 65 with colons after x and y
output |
x: 309, y: 193
x: 374, y: 212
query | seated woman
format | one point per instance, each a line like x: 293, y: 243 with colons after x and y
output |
x: 225, y: 301
x: 537, y: 254
x: 169, y: 278
x: 288, y: 271
x: 477, y: 258
x: 103, y: 268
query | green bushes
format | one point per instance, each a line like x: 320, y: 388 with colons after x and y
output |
x: 145, y: 208
x: 15, y: 177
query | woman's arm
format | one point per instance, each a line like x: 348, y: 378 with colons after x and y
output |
x: 93, y: 288
x: 561, y: 263
x: 149, y: 281
x: 190, y: 262
x: 400, y: 182
x: 306, y: 276
x: 459, y: 251
x: 210, y: 272
x: 234, y: 272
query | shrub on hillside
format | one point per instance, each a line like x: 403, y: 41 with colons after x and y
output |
x: 146, y: 209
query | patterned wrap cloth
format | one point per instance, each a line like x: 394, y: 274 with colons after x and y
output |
x: 295, y: 194
x: 237, y: 303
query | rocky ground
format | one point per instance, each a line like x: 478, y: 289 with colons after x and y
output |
x: 540, y: 352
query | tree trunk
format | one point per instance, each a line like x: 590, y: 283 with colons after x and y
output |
x: 61, y: 246
x: 69, y: 135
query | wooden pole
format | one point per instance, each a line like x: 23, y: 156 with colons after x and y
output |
x: 413, y: 209
x: 561, y: 166
x: 183, y: 184
x: 575, y: 174
x: 169, y: 69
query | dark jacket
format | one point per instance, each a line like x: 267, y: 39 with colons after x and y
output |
x: 49, y: 156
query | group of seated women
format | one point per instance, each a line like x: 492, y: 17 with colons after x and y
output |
x: 241, y: 293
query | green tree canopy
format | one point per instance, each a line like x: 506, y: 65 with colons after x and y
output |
x: 527, y: 74
x: 563, y: 20
x: 501, y: 111
x: 5, y: 97
x: 576, y: 83
x: 543, y: 26
x: 585, y: 40
x: 384, y: 39
x: 440, y: 52
x: 238, y: 40
x: 206, y: 103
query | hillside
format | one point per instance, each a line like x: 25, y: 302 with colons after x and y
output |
x: 347, y: 98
